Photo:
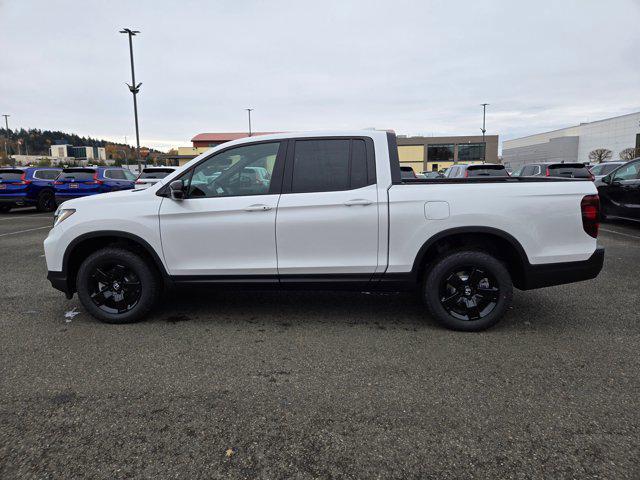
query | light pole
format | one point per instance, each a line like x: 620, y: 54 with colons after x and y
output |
x: 134, y: 89
x: 249, y: 110
x: 6, y: 138
x: 484, y: 144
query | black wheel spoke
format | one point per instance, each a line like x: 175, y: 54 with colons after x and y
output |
x: 473, y: 312
x: 476, y: 276
x: 101, y: 276
x: 451, y: 300
x: 101, y: 297
x: 488, y: 293
x: 456, y: 282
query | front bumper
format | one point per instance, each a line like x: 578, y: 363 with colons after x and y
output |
x: 550, y: 274
x: 59, y: 281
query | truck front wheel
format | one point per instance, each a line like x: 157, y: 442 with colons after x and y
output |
x: 116, y: 285
x: 468, y: 290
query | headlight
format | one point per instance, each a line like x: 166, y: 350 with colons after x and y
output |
x: 62, y: 214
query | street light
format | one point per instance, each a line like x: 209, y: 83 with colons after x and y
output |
x: 484, y: 145
x: 6, y: 138
x: 134, y: 89
x: 249, y: 110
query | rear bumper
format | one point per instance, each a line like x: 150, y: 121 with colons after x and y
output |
x: 16, y: 199
x: 60, y: 282
x: 550, y: 274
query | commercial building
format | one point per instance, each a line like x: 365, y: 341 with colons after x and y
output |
x: 437, y: 153
x: 78, y: 153
x: 573, y: 144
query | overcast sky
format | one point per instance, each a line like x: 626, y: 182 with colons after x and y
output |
x: 418, y: 67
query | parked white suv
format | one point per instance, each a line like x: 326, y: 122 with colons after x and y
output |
x: 325, y: 211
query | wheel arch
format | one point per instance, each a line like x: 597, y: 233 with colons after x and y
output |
x: 494, y: 241
x: 88, y: 243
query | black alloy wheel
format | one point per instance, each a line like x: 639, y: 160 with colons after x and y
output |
x: 114, y: 288
x: 46, y: 201
x: 468, y: 290
x: 469, y: 293
x: 118, y: 285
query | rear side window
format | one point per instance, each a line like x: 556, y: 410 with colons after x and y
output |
x: 115, y: 174
x: 77, y: 175
x: 487, y: 171
x: 320, y: 166
x: 569, y: 170
x: 45, y: 174
x: 11, y: 174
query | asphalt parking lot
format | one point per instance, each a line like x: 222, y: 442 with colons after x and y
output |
x: 318, y: 385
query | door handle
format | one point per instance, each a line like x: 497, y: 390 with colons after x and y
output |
x: 357, y: 201
x: 259, y: 207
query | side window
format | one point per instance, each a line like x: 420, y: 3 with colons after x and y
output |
x: 628, y: 172
x: 320, y: 166
x: 115, y: 174
x: 235, y: 172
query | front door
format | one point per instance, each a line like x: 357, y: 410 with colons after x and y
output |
x: 624, y: 190
x: 327, y: 223
x: 226, y: 224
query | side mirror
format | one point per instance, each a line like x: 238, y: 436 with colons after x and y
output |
x: 176, y: 190
x: 607, y: 179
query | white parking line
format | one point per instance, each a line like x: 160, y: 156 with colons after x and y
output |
x: 24, y: 231
x: 620, y: 233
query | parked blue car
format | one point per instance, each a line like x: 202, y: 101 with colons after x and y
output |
x: 29, y: 186
x: 80, y: 182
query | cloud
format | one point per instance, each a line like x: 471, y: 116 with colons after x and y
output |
x: 417, y: 67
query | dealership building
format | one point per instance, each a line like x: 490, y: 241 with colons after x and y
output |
x: 573, y: 144
x: 437, y: 153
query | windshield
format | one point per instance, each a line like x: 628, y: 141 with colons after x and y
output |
x: 11, y: 174
x: 569, y: 170
x: 77, y: 175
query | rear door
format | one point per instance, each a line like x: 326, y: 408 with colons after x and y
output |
x: 12, y: 183
x: 327, y: 221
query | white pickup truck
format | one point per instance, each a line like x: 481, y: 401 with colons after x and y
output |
x: 325, y: 210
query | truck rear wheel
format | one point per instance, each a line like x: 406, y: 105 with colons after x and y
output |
x: 468, y: 290
x: 117, y: 286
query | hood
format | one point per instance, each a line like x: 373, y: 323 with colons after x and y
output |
x: 102, y: 198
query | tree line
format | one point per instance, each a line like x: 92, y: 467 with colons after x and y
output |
x: 34, y: 141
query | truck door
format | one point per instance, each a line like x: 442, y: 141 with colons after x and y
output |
x: 624, y: 191
x: 327, y: 220
x: 226, y: 225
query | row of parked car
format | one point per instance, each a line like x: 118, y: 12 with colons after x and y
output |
x: 47, y: 187
x: 618, y: 183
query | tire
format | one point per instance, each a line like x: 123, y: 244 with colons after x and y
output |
x: 6, y: 208
x: 46, y: 201
x: 469, y: 284
x: 118, y: 286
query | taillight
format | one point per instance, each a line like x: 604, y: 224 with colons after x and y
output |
x: 590, y: 208
x: 58, y: 182
x: 548, y: 172
x: 139, y: 182
x: 95, y: 179
x: 23, y: 180
x: 466, y: 174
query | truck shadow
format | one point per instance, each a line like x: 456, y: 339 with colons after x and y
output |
x: 297, y: 308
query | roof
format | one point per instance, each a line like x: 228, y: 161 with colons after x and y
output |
x: 225, y: 137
